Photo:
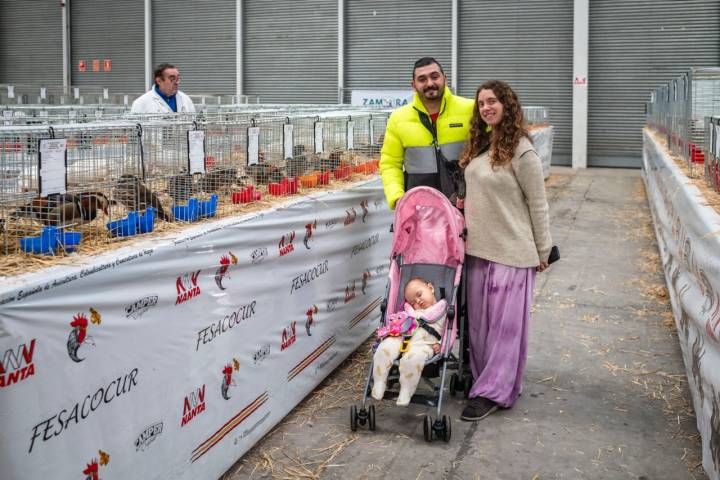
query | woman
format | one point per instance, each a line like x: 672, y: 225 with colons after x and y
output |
x: 508, y: 240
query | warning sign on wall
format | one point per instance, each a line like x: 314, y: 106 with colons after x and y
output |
x: 81, y: 66
x: 107, y: 65
x: 96, y: 65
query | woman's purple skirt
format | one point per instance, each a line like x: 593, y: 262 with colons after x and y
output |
x: 499, y: 300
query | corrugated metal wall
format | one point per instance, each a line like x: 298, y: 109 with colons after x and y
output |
x: 197, y: 36
x: 290, y: 50
x: 108, y: 29
x: 635, y: 46
x: 31, y: 42
x: 528, y: 44
x: 383, y: 40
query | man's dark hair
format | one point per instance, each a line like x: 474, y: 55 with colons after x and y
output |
x: 424, y: 62
x: 160, y: 69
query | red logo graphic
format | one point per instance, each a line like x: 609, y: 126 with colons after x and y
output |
x: 187, y: 287
x: 288, y: 336
x: 221, y: 272
x: 227, y: 380
x: 17, y: 364
x: 285, y: 245
x: 308, y: 233
x: 91, y: 472
x: 366, y: 276
x: 350, y: 216
x: 79, y: 336
x: 194, y: 405
x: 364, y: 206
x: 350, y: 292
x: 309, y: 322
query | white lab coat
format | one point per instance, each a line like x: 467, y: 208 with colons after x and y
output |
x: 151, y: 102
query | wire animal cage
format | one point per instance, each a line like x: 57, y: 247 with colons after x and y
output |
x: 711, y: 148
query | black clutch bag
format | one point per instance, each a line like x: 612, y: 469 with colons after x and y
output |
x: 554, y: 254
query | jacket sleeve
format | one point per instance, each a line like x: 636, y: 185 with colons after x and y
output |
x: 391, y: 164
x: 528, y: 171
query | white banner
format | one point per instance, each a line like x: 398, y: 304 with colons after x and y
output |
x: 688, y: 233
x: 170, y: 358
x: 381, y: 98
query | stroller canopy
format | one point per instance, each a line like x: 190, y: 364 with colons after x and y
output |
x: 428, y: 229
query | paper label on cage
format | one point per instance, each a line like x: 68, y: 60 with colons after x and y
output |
x: 253, y: 145
x: 288, y: 141
x: 43, y: 93
x: 318, y: 137
x: 76, y: 92
x: 126, y: 100
x: 11, y: 91
x: 350, y: 137
x: 106, y: 94
x: 7, y: 114
x: 196, y: 151
x: 371, y: 132
x: 43, y: 113
x: 717, y: 140
x: 52, y: 166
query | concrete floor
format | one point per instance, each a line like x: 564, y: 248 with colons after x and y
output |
x: 605, y: 389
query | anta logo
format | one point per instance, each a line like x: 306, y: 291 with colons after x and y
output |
x: 309, y: 227
x: 309, y: 318
x: 227, y: 380
x: 17, y: 364
x: 193, y: 406
x: 187, y: 287
x: 364, y: 206
x: 350, y: 292
x: 330, y: 224
x: 222, y: 271
x: 138, y: 309
x: 377, y: 203
x: 258, y: 255
x: 332, y: 305
x: 350, y: 216
x: 79, y: 336
x: 148, y: 436
x: 92, y: 470
x: 288, y: 336
x: 365, y: 279
x: 285, y: 245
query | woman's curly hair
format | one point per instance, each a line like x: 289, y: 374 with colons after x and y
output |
x: 504, y: 138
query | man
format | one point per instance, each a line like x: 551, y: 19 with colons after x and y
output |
x: 164, y: 96
x: 423, y: 140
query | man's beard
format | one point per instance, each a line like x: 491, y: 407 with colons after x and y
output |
x: 436, y: 92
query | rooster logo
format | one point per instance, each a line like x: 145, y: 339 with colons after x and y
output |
x: 91, y: 471
x: 364, y: 206
x: 309, y: 318
x: 222, y: 271
x: 308, y: 233
x: 227, y: 380
x: 350, y: 292
x: 350, y: 216
x: 285, y: 245
x: 78, y: 336
x: 365, y: 278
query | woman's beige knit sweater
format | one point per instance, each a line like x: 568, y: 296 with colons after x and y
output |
x: 506, y: 211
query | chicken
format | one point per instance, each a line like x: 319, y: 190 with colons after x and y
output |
x: 219, y: 180
x: 59, y: 210
x: 181, y: 188
x: 135, y: 195
x: 263, y: 173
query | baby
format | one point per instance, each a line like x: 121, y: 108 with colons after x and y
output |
x: 420, y: 303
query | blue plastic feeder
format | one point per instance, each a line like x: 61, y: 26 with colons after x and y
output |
x: 69, y: 240
x: 187, y: 213
x: 146, y: 222
x: 127, y: 227
x: 209, y: 208
x: 44, y: 244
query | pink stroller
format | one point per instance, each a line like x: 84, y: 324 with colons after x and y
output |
x: 428, y: 242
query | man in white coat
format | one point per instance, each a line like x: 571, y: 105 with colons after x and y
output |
x: 164, y: 96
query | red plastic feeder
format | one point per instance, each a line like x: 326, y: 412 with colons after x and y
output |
x: 245, y: 195
x: 324, y: 178
x: 284, y: 187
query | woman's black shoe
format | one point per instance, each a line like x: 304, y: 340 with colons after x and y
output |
x: 477, y: 409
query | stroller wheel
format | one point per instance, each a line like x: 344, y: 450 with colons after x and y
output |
x: 353, y: 418
x: 362, y: 416
x: 428, y: 428
x: 454, y: 382
x: 371, y: 418
x: 446, y: 428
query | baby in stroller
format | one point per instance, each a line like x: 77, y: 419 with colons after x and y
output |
x: 415, y: 333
